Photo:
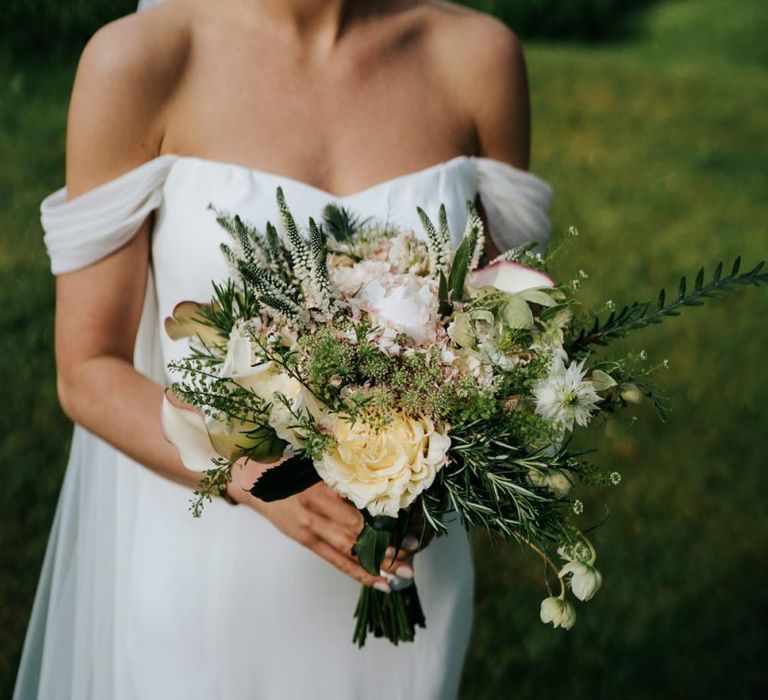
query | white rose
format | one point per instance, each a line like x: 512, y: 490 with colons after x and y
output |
x: 385, y: 470
x: 557, y: 611
x: 406, y: 303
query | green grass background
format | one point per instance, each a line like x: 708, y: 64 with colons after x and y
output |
x: 657, y: 147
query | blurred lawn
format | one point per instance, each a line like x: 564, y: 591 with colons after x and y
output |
x: 658, y: 151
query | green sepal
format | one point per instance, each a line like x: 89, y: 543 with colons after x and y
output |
x: 286, y: 479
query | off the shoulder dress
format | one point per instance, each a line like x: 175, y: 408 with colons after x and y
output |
x: 138, y: 600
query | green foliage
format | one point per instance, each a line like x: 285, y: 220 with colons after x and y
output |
x: 582, y: 19
x: 638, y: 315
x: 35, y: 26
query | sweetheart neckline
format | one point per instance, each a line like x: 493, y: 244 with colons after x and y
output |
x: 174, y: 159
x: 442, y: 165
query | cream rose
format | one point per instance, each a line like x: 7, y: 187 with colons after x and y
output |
x: 385, y: 470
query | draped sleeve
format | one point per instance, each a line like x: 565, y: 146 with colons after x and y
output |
x: 516, y: 204
x: 89, y: 227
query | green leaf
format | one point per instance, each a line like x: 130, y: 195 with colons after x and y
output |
x: 286, y: 479
x: 460, y: 266
x: 536, y: 296
x: 602, y: 380
x: 264, y: 445
x: 444, y: 306
x: 373, y: 541
x: 516, y: 313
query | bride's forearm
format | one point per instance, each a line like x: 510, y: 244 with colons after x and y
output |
x: 109, y: 398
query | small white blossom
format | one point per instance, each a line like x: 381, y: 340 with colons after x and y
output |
x: 558, y: 612
x: 614, y: 478
x: 564, y: 397
x: 573, y: 231
x: 578, y: 507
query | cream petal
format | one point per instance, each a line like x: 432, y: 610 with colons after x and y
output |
x: 186, y: 321
x: 184, y: 427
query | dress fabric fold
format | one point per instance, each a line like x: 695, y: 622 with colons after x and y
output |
x: 138, y: 600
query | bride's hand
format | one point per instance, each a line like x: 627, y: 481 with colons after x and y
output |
x: 323, y: 522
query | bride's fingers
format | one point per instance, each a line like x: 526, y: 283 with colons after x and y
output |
x: 348, y: 566
x: 329, y: 531
x: 325, y: 502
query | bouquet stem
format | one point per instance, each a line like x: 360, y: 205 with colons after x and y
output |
x: 392, y: 615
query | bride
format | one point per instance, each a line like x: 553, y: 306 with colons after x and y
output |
x: 381, y: 105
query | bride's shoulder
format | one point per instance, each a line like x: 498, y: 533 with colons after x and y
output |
x: 470, y: 37
x: 126, y: 74
x: 482, y: 62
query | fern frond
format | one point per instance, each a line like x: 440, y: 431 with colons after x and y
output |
x: 640, y: 314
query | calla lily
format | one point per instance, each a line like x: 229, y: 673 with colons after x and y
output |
x: 186, y: 321
x: 199, y: 441
x: 509, y: 277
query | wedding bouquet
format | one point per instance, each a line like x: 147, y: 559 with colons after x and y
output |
x: 413, y: 380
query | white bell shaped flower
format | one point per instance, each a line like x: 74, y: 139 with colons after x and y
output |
x: 558, y: 612
x: 585, y: 579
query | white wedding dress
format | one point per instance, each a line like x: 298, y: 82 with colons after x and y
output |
x: 138, y: 600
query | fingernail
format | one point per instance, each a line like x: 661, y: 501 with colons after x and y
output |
x: 381, y: 586
x: 404, y: 571
x: 410, y: 543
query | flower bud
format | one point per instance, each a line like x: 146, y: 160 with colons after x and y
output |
x: 630, y: 393
x: 585, y: 579
x: 558, y: 612
x: 556, y: 480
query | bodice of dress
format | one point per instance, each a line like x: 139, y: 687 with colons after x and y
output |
x: 186, y: 238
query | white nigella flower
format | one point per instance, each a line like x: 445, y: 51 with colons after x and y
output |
x: 585, y: 579
x: 564, y: 397
x: 558, y: 611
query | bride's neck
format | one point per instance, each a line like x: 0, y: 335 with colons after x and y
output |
x: 318, y: 19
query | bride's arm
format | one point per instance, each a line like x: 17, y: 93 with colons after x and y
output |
x: 487, y: 71
x: 116, y: 123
